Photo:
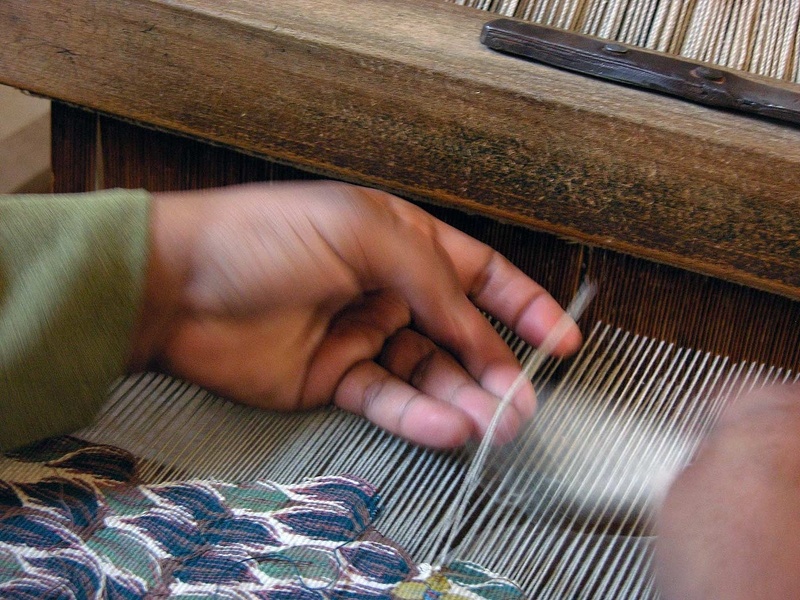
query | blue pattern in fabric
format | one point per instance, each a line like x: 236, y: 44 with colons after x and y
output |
x: 376, y: 561
x: 75, y: 500
x: 35, y: 531
x: 214, y: 569
x: 88, y: 529
x: 200, y: 503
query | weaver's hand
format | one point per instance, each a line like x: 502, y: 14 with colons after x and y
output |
x: 730, y: 525
x: 289, y: 296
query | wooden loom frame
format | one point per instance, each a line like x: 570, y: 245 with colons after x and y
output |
x: 402, y: 95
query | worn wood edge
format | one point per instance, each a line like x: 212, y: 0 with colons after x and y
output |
x: 62, y: 62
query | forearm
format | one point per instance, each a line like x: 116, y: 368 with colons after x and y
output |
x: 730, y: 527
x: 71, y: 270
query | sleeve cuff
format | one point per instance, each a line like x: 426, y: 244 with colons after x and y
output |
x: 71, y: 276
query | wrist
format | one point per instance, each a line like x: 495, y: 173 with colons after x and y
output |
x: 169, y: 227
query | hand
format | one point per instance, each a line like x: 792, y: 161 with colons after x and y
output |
x: 288, y: 296
x: 730, y: 525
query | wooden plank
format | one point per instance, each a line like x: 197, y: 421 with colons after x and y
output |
x: 136, y: 157
x: 403, y: 96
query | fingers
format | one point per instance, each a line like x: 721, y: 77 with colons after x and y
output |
x: 527, y: 308
x: 418, y: 361
x: 422, y: 394
x: 493, y: 283
x: 439, y: 272
x: 358, y: 333
x: 371, y: 391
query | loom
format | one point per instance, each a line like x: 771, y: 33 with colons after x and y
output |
x: 685, y: 216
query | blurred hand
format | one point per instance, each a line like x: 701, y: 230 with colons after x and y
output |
x: 730, y: 525
x: 288, y: 296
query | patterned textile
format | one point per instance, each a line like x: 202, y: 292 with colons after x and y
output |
x: 75, y: 523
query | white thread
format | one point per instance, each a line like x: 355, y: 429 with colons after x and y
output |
x: 452, y: 520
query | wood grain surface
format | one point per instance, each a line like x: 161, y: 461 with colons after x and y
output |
x: 402, y: 95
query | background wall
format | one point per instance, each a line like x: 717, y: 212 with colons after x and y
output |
x: 24, y: 142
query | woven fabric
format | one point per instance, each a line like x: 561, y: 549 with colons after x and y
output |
x: 75, y: 523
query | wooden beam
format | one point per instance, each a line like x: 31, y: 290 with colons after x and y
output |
x: 403, y: 96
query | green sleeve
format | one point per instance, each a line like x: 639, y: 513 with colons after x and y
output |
x: 71, y: 272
